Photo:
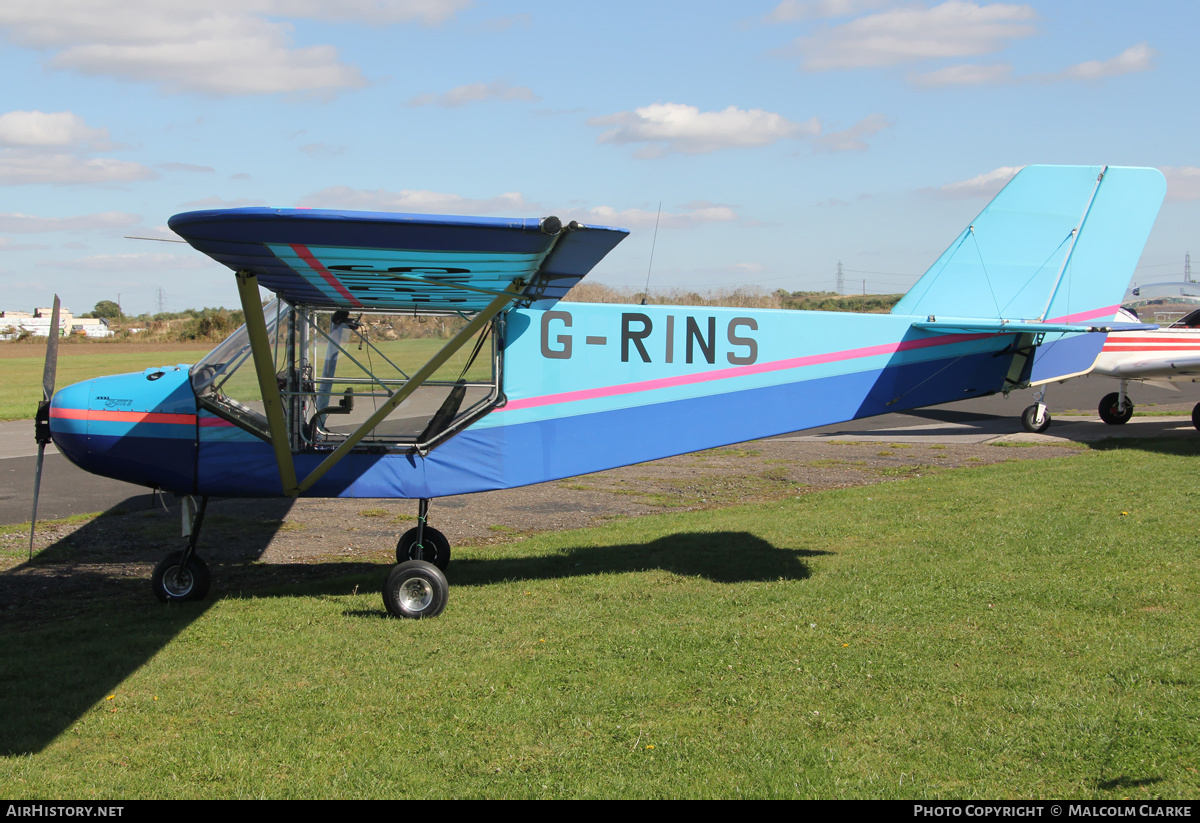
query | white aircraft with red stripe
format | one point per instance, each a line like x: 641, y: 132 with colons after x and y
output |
x: 1160, y: 357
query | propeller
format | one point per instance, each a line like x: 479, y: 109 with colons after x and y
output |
x: 41, y: 422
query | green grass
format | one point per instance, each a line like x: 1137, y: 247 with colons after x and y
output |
x: 1020, y: 630
x: 23, y: 375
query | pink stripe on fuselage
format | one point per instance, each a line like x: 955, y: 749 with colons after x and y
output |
x: 739, y: 371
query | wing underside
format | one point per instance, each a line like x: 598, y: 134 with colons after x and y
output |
x: 398, y: 262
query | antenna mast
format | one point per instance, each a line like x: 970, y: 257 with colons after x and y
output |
x: 653, y: 243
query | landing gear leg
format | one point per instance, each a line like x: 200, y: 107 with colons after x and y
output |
x: 1036, y: 419
x: 183, y: 575
x: 417, y: 587
x: 424, y: 542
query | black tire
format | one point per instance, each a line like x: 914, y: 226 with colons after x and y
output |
x: 172, y: 587
x: 1029, y: 416
x: 435, y: 550
x: 1196, y: 415
x: 415, y: 589
x: 1112, y: 412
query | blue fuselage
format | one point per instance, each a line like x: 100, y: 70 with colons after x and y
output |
x: 585, y: 388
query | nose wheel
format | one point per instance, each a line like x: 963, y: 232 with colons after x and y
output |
x: 177, y: 580
x: 183, y: 576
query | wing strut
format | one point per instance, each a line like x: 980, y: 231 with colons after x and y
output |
x: 264, y: 365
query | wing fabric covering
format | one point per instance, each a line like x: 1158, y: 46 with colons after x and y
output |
x: 395, y: 262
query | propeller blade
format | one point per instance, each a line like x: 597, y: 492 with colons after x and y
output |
x: 41, y: 422
x: 37, y: 485
x: 51, y: 355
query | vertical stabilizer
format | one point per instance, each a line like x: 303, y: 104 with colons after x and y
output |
x: 1057, y: 241
x: 1057, y: 244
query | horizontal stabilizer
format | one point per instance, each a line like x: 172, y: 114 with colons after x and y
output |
x: 987, y: 326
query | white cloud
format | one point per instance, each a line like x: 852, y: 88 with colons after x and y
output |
x: 53, y: 129
x: 7, y: 244
x: 226, y: 57
x: 215, y: 47
x: 21, y: 167
x: 187, y: 167
x: 966, y: 75
x: 853, y: 138
x: 215, y: 202
x: 476, y: 93
x: 1133, y: 59
x: 983, y: 185
x: 417, y: 201
x: 105, y: 220
x: 1183, y: 182
x: 904, y: 35
x: 675, y: 127
x: 62, y: 23
x: 128, y: 262
x: 514, y: 204
x: 791, y: 11
x: 690, y: 215
x: 322, y: 150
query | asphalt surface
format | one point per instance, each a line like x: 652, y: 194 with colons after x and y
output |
x: 67, y: 490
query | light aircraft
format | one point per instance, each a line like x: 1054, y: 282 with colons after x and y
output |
x: 1159, y: 357
x: 311, y: 399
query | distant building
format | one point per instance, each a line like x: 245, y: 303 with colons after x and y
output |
x: 14, y: 323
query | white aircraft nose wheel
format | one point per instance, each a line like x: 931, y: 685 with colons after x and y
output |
x: 1196, y: 415
x: 415, y: 589
x: 435, y: 548
x: 173, y: 584
x: 1029, y: 420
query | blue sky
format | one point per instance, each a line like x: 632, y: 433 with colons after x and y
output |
x: 779, y: 137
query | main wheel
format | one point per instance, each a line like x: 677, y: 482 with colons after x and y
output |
x: 1029, y: 420
x: 1196, y: 415
x: 415, y: 589
x: 1112, y: 412
x: 174, y: 584
x: 435, y: 549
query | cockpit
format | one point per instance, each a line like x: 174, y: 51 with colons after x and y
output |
x: 335, y: 368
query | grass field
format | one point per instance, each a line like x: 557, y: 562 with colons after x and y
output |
x: 23, y: 374
x: 1021, y: 630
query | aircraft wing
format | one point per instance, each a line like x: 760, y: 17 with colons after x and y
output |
x: 398, y: 262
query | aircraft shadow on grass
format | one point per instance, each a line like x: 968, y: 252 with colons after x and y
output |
x: 77, y: 621
x: 77, y: 652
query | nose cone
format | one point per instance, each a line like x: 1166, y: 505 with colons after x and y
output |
x: 140, y: 428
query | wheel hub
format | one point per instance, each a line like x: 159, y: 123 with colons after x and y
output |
x: 416, y: 594
x: 177, y: 582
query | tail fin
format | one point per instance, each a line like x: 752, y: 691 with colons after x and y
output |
x: 1057, y: 245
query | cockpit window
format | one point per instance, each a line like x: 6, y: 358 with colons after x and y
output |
x: 225, y: 380
x: 336, y: 369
